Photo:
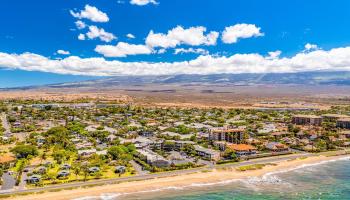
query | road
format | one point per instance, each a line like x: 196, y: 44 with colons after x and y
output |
x: 9, y: 182
x: 5, y: 124
x: 159, y: 175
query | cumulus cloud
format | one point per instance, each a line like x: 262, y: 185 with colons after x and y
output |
x: 95, y: 32
x: 131, y: 36
x: 274, y: 54
x: 63, y: 52
x: 191, y: 50
x: 91, y: 13
x: 81, y: 36
x: 194, y: 36
x: 143, y: 2
x: 80, y: 24
x: 161, y: 51
x: 231, y: 34
x: 332, y: 60
x: 310, y: 47
x: 122, y: 49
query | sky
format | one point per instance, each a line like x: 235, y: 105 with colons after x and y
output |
x: 44, y: 42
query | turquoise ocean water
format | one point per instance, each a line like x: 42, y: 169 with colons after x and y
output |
x: 327, y: 180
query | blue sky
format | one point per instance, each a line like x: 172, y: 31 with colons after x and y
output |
x: 298, y: 34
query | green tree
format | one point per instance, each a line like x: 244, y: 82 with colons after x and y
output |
x: 23, y: 151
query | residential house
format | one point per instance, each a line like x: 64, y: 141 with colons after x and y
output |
x: 243, y: 149
x: 277, y: 147
x: 153, y: 158
x: 206, y: 153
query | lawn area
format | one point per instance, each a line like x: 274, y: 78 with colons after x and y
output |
x: 107, y: 172
x: 251, y: 167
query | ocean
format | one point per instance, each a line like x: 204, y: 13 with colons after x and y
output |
x: 325, y: 180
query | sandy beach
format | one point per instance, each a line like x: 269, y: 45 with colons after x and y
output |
x: 188, y: 180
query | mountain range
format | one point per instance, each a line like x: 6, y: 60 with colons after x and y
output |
x: 303, y: 78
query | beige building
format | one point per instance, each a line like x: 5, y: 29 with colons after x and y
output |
x: 232, y: 135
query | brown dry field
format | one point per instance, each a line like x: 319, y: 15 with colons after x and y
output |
x: 197, y: 95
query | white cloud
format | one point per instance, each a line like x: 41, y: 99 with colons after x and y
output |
x: 336, y: 59
x: 63, y: 52
x: 191, y: 50
x: 143, y: 2
x: 81, y: 36
x: 122, y: 49
x: 192, y: 36
x: 91, y: 13
x: 310, y: 47
x: 80, y: 24
x: 274, y: 54
x: 95, y: 32
x: 131, y: 36
x: 231, y: 34
x: 161, y: 51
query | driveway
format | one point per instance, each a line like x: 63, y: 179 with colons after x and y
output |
x: 138, y: 168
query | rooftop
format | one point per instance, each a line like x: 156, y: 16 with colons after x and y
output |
x: 241, y: 147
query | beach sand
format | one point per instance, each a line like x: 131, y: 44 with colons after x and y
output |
x: 188, y: 180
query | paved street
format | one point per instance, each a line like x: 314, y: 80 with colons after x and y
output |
x: 5, y: 124
x: 8, y: 181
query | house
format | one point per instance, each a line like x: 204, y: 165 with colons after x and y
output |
x: 177, y: 158
x: 267, y: 128
x: 86, y: 152
x: 343, y: 123
x: 173, y: 134
x: 179, y: 144
x: 141, y: 142
x: 307, y: 120
x: 280, y: 134
x: 34, y: 178
x: 206, y: 153
x: 277, y: 147
x: 111, y: 137
x: 120, y: 169
x: 101, y: 153
x: 146, y: 133
x: 153, y: 158
x: 232, y: 135
x: 83, y: 145
x: 242, y: 149
x: 7, y: 158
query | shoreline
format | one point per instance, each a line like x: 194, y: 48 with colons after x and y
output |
x: 222, y: 175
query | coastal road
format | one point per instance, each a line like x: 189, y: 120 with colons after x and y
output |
x: 159, y: 175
